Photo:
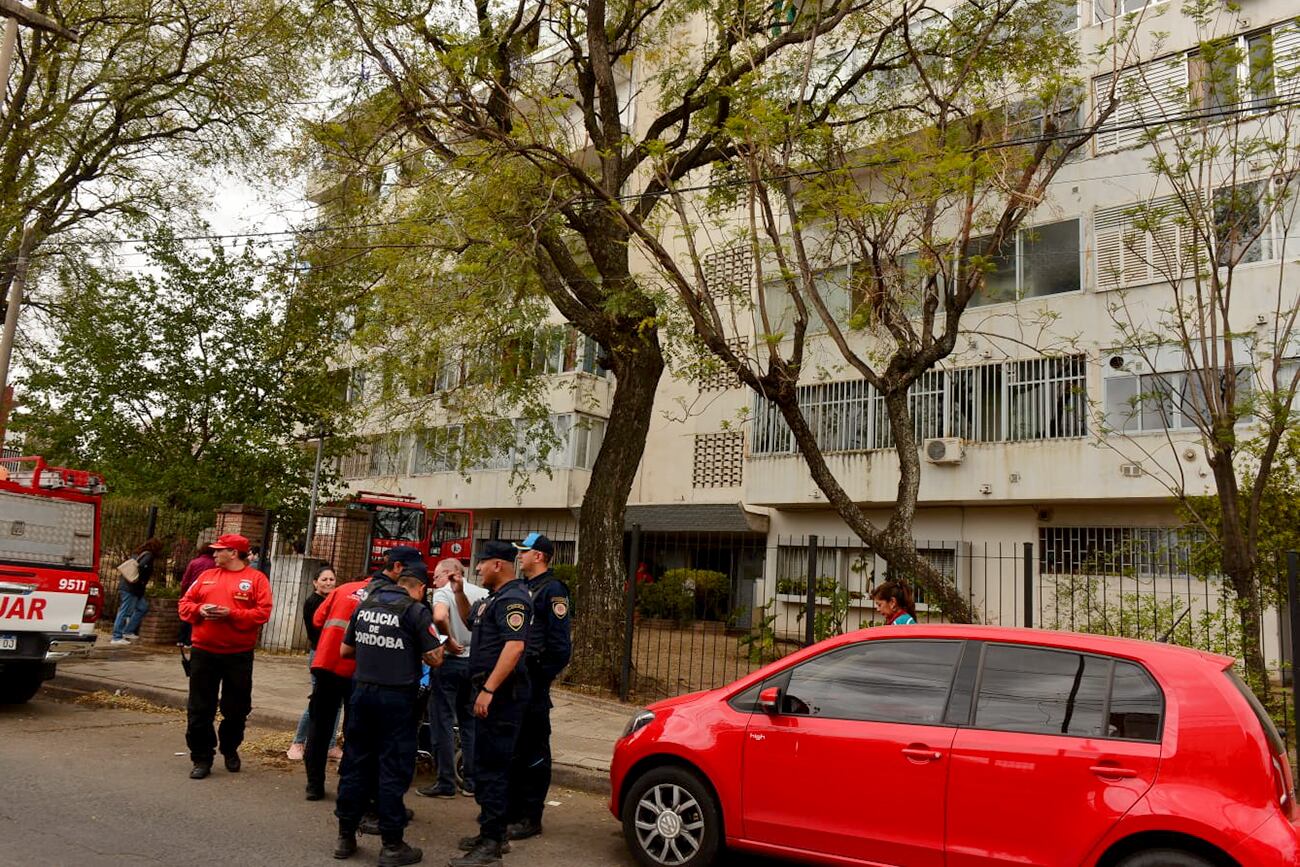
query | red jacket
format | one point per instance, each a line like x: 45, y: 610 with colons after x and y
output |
x: 332, y: 620
x: 246, y: 592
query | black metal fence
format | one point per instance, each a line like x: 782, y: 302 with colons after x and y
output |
x: 709, y: 607
x: 126, y: 525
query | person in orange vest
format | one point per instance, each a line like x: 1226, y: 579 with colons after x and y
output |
x: 227, y: 606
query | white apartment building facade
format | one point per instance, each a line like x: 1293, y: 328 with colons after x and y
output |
x: 1014, y: 425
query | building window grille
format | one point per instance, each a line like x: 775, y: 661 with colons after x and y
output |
x: 719, y: 460
x: 1014, y: 401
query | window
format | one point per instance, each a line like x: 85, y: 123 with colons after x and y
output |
x: 1147, y: 95
x: 588, y: 432
x: 886, y: 681
x: 398, y: 523
x: 1172, y: 400
x: 1143, y: 243
x: 1244, y: 228
x: 833, y: 286
x: 1042, y: 398
x: 1136, y: 705
x: 1028, y: 689
x: 389, y: 456
x: 1140, y: 552
x: 1039, y: 261
x: 437, y: 450
x: 1104, y: 10
x: 1232, y: 72
x: 1046, y: 399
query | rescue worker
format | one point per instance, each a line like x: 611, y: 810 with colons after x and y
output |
x: 390, y: 634
x: 333, y: 673
x: 550, y: 645
x: 226, y: 605
x: 499, y: 627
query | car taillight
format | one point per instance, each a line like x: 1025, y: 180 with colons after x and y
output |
x: 94, y: 602
x: 1283, y: 787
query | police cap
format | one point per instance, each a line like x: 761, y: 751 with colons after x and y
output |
x: 404, y: 554
x: 494, y: 549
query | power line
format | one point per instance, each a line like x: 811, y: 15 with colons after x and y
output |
x: 295, y: 234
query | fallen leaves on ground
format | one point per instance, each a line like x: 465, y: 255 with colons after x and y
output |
x: 123, y: 701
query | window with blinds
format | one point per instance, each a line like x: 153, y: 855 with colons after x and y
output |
x: 1148, y: 96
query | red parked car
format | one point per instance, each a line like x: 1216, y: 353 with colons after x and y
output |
x: 964, y: 746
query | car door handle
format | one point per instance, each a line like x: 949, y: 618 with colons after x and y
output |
x: 922, y: 754
x: 1113, y: 771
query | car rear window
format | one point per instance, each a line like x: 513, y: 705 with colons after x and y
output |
x: 1136, y: 704
x: 1265, y: 721
x: 1030, y: 689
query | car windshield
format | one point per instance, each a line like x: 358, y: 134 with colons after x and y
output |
x: 397, y: 522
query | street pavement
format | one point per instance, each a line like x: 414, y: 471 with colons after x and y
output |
x: 90, y: 785
x: 583, y: 728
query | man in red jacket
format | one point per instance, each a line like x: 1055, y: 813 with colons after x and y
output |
x: 226, y: 605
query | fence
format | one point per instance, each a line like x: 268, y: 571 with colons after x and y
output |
x: 126, y: 525
x: 710, y: 607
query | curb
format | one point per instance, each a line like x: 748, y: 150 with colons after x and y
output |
x: 71, y: 685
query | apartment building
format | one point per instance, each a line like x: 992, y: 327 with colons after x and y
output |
x: 1035, y: 431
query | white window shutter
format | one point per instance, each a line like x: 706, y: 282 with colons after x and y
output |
x: 1108, y: 238
x: 1286, y: 59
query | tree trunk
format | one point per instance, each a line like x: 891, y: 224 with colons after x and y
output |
x: 895, y: 542
x: 601, y: 600
x: 1240, y: 567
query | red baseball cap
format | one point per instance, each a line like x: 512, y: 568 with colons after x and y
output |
x: 233, y: 541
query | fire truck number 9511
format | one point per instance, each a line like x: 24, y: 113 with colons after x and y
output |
x: 76, y: 585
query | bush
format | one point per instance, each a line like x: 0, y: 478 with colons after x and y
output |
x: 162, y: 590
x: 669, y: 598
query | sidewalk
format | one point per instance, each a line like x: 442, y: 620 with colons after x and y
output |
x: 583, y: 728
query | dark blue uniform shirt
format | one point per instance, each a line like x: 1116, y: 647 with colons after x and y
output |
x: 391, y: 632
x: 550, y: 642
x: 503, y: 615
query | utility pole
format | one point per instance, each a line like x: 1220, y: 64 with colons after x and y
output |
x: 17, y: 13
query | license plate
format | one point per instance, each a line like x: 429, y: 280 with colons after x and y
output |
x: 8, y: 642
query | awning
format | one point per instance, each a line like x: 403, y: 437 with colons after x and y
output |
x: 695, y: 518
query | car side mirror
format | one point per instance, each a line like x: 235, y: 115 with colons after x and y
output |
x: 769, y: 699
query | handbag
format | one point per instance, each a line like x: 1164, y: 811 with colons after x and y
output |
x: 129, y: 569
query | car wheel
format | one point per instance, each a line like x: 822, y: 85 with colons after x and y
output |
x: 1165, y: 858
x: 19, y: 682
x: 670, y: 819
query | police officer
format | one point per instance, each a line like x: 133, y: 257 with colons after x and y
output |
x: 389, y: 634
x: 499, y: 626
x: 550, y: 645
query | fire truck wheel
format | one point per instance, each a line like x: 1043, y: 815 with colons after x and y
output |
x: 19, y: 682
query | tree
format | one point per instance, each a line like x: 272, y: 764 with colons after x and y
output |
x: 1208, y: 351
x: 95, y: 133
x: 528, y: 112
x: 190, y: 383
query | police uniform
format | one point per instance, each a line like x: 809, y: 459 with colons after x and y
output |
x: 550, y: 647
x: 501, y: 617
x: 390, y: 632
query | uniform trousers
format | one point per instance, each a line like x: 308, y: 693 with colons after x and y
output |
x: 229, y: 675
x: 530, y: 770
x: 495, y: 738
x: 378, y: 757
x: 329, y: 693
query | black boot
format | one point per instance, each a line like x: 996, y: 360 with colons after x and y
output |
x: 467, y: 844
x: 200, y: 770
x: 233, y: 764
x: 523, y: 829
x: 399, y: 853
x: 485, y: 854
x: 345, y: 846
x: 315, y: 791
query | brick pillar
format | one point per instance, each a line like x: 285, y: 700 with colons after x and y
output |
x: 247, y: 521
x: 342, y: 538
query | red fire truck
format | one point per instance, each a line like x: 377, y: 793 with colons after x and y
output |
x: 440, y: 534
x: 50, y: 595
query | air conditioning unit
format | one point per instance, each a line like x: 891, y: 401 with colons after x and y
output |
x: 944, y: 450
x: 1130, y: 471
